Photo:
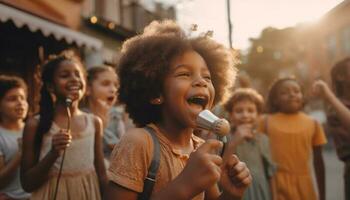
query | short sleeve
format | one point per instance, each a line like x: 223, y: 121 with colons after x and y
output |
x: 130, y: 160
x: 269, y: 164
x: 319, y: 137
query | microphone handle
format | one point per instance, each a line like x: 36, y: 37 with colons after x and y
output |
x: 69, y: 116
x: 223, y: 139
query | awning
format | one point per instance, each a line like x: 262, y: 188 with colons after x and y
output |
x: 47, y: 28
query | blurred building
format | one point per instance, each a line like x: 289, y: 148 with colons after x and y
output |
x: 30, y: 30
x: 328, y: 41
x: 113, y: 21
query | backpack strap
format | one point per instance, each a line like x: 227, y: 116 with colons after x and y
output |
x: 153, y: 168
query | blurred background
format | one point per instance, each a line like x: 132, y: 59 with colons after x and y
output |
x: 270, y: 39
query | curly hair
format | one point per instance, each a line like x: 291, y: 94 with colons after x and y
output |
x: 340, y: 68
x: 46, y: 102
x: 245, y: 94
x: 145, y: 61
x: 271, y: 103
x: 10, y: 82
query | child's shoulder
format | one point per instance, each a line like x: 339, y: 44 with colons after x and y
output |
x: 136, y: 136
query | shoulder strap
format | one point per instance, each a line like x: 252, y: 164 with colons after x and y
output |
x: 153, y: 168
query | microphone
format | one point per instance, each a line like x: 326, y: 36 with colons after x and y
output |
x: 68, y: 103
x: 208, y: 121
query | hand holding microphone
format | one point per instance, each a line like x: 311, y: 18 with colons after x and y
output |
x: 206, y: 120
x: 68, y: 104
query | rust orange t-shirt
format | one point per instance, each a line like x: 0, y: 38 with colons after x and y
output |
x: 131, y: 159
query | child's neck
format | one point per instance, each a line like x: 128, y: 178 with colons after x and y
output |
x: 179, y: 137
x: 13, y: 125
x: 61, y: 108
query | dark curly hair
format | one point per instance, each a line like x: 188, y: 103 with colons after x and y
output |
x: 340, y: 68
x: 271, y: 103
x: 145, y: 61
x: 243, y: 94
x: 46, y: 102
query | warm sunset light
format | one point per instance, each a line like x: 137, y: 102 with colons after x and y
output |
x: 249, y: 17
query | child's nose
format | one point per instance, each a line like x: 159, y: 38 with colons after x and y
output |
x: 200, y: 81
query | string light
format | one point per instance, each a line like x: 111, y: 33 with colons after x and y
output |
x: 93, y: 19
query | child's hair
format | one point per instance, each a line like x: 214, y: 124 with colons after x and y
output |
x: 271, y: 105
x: 340, y: 68
x: 245, y: 94
x: 145, y: 61
x: 93, y: 72
x: 10, y: 82
x: 46, y: 102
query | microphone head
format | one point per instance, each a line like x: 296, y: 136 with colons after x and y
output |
x: 68, y: 102
x: 208, y: 121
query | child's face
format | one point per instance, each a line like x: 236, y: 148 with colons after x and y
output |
x: 104, y: 87
x: 289, y: 97
x: 187, y: 89
x: 13, y: 105
x: 69, y: 81
x: 243, y: 112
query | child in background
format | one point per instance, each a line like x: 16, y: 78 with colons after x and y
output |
x: 13, y: 110
x: 293, y: 137
x: 102, y: 84
x: 46, y: 137
x: 252, y: 147
x: 166, y: 80
x: 338, y: 117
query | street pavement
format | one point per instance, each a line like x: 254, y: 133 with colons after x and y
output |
x: 334, y: 175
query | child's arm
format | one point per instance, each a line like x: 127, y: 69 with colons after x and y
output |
x: 320, y: 88
x: 200, y: 173
x: 319, y: 170
x: 7, y: 171
x: 34, y: 173
x: 99, y: 162
x: 273, y: 189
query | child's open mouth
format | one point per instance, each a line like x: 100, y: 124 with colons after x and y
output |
x: 198, y: 100
x: 110, y: 99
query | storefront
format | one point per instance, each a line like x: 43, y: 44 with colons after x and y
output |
x: 26, y: 40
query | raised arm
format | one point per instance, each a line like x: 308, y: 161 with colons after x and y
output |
x: 320, y: 88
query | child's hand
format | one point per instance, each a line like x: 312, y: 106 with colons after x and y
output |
x: 321, y: 89
x: 244, y: 131
x: 235, y: 176
x: 60, y: 141
x: 203, y: 168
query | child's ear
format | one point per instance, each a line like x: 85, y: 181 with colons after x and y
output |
x: 157, y: 101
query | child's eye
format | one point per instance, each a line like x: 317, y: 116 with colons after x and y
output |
x: 185, y: 74
x: 208, y: 77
